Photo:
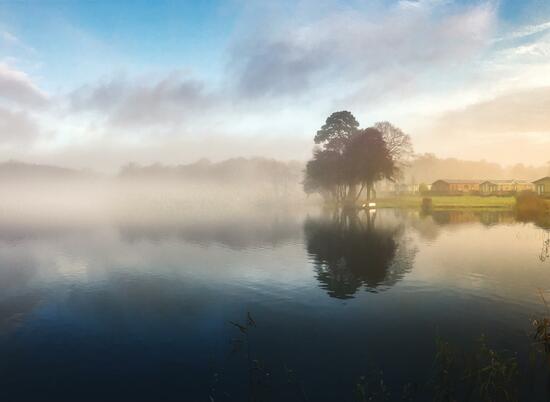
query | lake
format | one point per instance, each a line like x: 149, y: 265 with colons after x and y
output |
x: 140, y: 308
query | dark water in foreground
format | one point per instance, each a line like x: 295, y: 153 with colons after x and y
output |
x: 139, y: 309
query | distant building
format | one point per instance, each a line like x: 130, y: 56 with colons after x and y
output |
x: 504, y: 186
x: 456, y: 186
x: 542, y: 186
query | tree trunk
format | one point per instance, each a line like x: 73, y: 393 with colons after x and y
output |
x: 360, y: 191
x: 352, y: 193
x: 369, y: 188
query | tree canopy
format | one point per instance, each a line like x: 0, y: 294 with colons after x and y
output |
x: 367, y: 160
x: 337, y: 130
x: 350, y: 160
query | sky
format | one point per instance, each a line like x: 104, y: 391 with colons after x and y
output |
x: 98, y: 84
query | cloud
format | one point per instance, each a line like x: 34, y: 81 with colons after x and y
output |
x: 143, y: 103
x: 17, y: 128
x: 288, y: 65
x: 17, y: 88
x: 523, y: 111
x: 9, y: 38
x: 509, y: 128
x: 19, y: 99
x: 525, y: 31
x: 11, y: 42
x: 350, y: 46
x: 282, y: 63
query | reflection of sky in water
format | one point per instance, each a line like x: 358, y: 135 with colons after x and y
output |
x: 140, y: 310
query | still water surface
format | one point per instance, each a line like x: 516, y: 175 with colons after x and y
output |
x: 140, y: 309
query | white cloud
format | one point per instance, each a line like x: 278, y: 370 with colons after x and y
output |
x: 525, y: 31
x: 19, y: 99
x: 17, y: 88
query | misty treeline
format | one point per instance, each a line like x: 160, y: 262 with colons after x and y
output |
x: 427, y: 168
x: 233, y: 170
x: 417, y: 168
x: 349, y: 160
x: 236, y: 182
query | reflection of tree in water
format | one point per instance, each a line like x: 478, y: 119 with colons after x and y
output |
x: 349, y: 252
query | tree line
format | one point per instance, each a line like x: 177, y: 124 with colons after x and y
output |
x: 348, y: 160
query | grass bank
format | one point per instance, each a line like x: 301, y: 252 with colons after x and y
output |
x: 448, y: 202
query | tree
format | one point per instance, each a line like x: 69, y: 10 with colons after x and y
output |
x: 398, y: 143
x: 367, y: 161
x: 337, y: 130
x: 324, y: 175
x: 350, y: 160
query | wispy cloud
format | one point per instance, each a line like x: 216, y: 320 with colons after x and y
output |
x: 16, y: 87
x: 143, y: 102
x: 525, y: 31
x: 9, y: 40
x: 349, y: 45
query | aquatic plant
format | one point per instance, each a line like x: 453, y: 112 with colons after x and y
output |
x: 545, y: 251
x: 485, y: 375
x: 372, y: 388
x: 495, y: 374
x: 443, y: 381
x: 257, y: 373
x: 541, y: 329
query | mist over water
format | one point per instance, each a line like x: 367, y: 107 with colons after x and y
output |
x: 126, y: 289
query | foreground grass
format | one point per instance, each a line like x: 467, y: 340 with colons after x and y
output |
x: 447, y: 202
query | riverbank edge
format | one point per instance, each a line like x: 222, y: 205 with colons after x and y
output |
x: 450, y: 202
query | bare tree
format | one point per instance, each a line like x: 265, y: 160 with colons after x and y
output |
x: 398, y: 143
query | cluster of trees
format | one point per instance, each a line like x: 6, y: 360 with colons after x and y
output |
x: 230, y: 170
x: 348, y: 160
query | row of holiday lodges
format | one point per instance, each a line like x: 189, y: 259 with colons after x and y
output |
x: 487, y: 187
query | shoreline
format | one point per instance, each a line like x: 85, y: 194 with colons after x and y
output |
x: 449, y: 202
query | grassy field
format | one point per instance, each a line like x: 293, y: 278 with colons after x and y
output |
x: 448, y: 202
